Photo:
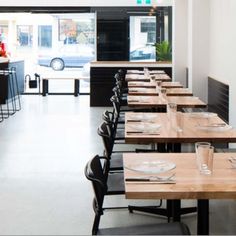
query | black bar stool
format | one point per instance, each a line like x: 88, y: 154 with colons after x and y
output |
x: 12, y: 103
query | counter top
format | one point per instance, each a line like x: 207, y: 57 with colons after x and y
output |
x: 130, y: 64
x: 5, y: 59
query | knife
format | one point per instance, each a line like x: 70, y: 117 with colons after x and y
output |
x: 141, y: 132
x: 215, y: 125
x: 134, y: 120
x: 150, y: 180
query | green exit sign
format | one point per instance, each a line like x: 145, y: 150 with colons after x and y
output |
x: 140, y: 2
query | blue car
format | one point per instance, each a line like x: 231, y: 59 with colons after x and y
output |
x: 146, y: 53
x: 69, y: 56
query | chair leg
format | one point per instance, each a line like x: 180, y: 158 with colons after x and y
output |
x: 96, y: 224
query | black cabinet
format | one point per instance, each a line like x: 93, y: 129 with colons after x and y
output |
x: 3, y: 84
x: 20, y: 73
x: 5, y: 92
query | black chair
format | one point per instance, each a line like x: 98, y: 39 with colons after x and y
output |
x: 116, y: 131
x: 115, y: 157
x: 120, y: 78
x: 1, y: 113
x: 94, y: 172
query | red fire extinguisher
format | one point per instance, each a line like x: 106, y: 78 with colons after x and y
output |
x: 3, y: 52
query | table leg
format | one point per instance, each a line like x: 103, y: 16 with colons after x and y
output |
x: 76, y: 88
x: 176, y: 210
x: 45, y: 87
x: 203, y: 217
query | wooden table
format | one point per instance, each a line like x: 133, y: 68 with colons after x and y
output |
x: 144, y: 78
x: 190, y: 184
x: 160, y: 102
x: 167, y: 134
x: 153, y: 92
x: 153, y: 85
x: 142, y: 72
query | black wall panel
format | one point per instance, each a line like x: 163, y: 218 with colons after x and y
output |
x: 218, y: 98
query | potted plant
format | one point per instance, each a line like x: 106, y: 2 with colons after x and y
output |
x: 163, y: 51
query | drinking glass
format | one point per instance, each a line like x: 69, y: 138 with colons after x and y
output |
x: 146, y: 72
x: 204, y: 154
x: 163, y: 92
x: 158, y: 86
x: 175, y: 118
x: 171, y: 109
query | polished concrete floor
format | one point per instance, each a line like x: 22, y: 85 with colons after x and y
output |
x: 43, y: 191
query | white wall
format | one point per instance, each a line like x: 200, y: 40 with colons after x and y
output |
x: 180, y: 42
x: 223, y: 47
x: 199, y: 11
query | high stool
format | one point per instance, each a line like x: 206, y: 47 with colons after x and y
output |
x: 12, y: 103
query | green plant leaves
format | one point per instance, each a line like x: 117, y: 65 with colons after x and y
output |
x: 163, y: 51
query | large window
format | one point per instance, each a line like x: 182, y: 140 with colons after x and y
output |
x: 77, y: 31
x: 151, y: 35
x: 45, y: 36
x: 25, y: 35
x: 3, y: 33
x: 148, y: 26
x: 142, y: 38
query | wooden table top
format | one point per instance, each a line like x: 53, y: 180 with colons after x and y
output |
x: 153, y: 92
x: 194, y: 129
x: 144, y: 78
x: 142, y: 72
x: 153, y: 84
x: 190, y: 184
x: 158, y: 101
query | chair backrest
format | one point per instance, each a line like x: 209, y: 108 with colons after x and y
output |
x: 121, y: 72
x: 117, y: 77
x: 111, y: 120
x: 107, y: 139
x: 116, y: 90
x: 95, y: 173
x: 116, y: 104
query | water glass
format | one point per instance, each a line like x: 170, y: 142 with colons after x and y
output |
x: 146, y: 72
x: 152, y: 78
x: 163, y: 92
x: 175, y: 118
x: 158, y: 87
x: 171, y: 109
x: 158, y: 83
x: 204, y: 154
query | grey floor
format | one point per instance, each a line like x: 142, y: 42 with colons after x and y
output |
x: 43, y: 191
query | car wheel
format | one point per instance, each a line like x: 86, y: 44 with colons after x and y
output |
x: 57, y: 64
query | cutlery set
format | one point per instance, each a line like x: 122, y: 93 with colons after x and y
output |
x: 215, y: 125
x: 144, y: 120
x: 142, y: 132
x: 153, y: 179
